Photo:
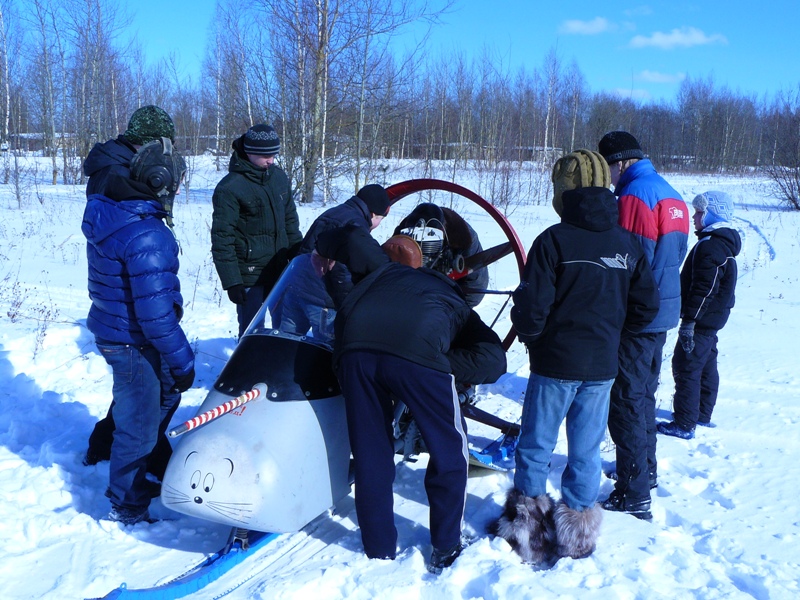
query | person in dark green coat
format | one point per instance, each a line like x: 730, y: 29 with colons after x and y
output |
x: 254, y: 227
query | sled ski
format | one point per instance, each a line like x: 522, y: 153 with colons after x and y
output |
x: 196, y: 578
x: 498, y: 456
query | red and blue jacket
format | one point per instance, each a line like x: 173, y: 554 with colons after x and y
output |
x: 652, y: 210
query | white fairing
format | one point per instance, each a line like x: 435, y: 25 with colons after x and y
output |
x: 276, y: 462
x: 267, y: 466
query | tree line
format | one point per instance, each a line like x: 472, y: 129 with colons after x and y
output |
x: 328, y: 76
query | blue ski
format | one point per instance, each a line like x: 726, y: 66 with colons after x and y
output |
x: 195, y: 579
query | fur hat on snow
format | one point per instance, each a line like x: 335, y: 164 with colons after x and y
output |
x: 149, y: 123
x: 579, y: 169
x: 717, y: 207
x: 376, y: 199
x: 619, y: 145
x: 261, y: 140
x: 527, y: 525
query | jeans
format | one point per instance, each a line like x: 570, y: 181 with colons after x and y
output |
x: 245, y: 312
x: 548, y: 402
x: 142, y: 408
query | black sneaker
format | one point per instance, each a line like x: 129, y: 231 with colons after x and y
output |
x: 441, y: 559
x: 126, y: 516
x: 639, y: 508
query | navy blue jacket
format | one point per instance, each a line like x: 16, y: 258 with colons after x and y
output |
x: 708, y: 278
x: 585, y: 279
x: 106, y: 159
x: 419, y: 315
x: 354, y: 213
x: 133, y: 278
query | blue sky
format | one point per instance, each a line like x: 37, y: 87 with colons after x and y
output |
x: 635, y: 49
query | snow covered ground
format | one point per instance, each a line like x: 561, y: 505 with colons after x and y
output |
x: 726, y: 513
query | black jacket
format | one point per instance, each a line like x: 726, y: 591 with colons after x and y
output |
x: 254, y: 226
x: 708, y: 278
x: 353, y: 212
x: 416, y: 314
x: 585, y: 279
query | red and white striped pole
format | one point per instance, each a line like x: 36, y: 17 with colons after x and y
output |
x: 260, y: 389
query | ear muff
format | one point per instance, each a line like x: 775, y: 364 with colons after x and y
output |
x: 154, y: 165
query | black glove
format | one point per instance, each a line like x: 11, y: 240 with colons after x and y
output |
x: 237, y: 294
x: 686, y: 336
x: 182, y: 382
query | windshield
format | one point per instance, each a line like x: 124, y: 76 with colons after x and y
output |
x: 298, y: 307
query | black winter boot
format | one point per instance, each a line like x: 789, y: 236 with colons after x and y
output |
x: 638, y: 507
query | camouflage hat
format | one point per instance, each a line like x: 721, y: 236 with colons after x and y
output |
x: 579, y: 169
x: 149, y: 123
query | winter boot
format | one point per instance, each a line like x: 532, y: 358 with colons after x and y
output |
x: 441, y: 559
x: 675, y: 430
x: 527, y: 524
x: 576, y: 531
x: 638, y: 507
x: 127, y: 516
x: 708, y: 424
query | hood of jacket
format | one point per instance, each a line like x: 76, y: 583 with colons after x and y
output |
x: 726, y: 234
x: 106, y: 154
x: 103, y: 216
x: 590, y: 208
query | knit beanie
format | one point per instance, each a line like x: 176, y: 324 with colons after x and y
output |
x: 261, y: 140
x: 579, y: 169
x: 619, y: 145
x: 376, y: 199
x: 402, y: 249
x: 717, y: 207
x: 149, y: 123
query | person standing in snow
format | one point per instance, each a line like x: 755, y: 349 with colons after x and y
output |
x: 135, y: 315
x: 708, y: 283
x: 585, y: 280
x: 657, y: 215
x: 104, y: 161
x: 406, y: 331
x: 254, y: 225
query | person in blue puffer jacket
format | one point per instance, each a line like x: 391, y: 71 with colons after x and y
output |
x: 656, y: 214
x: 113, y: 157
x: 135, y: 316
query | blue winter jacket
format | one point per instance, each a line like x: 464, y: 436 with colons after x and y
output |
x: 133, y: 278
x: 652, y: 210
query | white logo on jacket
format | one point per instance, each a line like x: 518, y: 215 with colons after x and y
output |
x: 675, y: 213
x: 618, y: 262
